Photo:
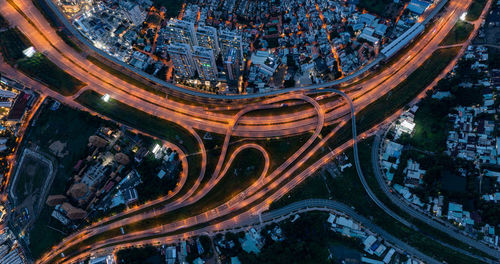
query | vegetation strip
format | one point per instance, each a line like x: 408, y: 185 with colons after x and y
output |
x: 458, y: 34
x: 475, y: 9
x: 431, y: 68
x: 347, y: 189
x: 13, y: 45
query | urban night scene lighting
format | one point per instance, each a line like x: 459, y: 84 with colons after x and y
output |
x: 244, y: 131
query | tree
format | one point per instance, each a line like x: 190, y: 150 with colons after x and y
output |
x: 306, y: 241
x: 206, y: 243
x: 256, y: 44
x: 152, y: 186
x: 136, y: 255
x: 334, y: 34
x: 289, y: 83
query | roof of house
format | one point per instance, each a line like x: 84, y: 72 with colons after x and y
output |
x: 418, y: 6
x: 454, y: 207
x: 17, y: 110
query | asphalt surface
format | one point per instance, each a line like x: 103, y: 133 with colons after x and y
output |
x: 190, y: 116
x: 28, y: 19
x: 438, y: 224
x: 321, y: 204
x: 374, y: 198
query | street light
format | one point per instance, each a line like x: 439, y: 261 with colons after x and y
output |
x: 29, y: 52
x: 106, y: 98
x: 463, y: 16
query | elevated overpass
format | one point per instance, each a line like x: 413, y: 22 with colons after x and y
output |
x: 195, y: 95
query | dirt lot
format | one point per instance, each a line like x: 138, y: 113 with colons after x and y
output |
x: 33, y: 171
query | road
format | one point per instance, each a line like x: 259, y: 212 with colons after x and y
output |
x: 329, y: 205
x: 215, y: 178
x: 400, y: 219
x: 283, y: 213
x: 27, y: 18
x: 222, y: 210
x: 436, y: 223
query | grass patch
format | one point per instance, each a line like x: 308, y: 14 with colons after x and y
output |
x: 56, y: 24
x: 73, y: 128
x: 173, y: 6
x: 279, y: 149
x: 241, y: 174
x: 136, y: 118
x: 458, y: 34
x: 245, y: 170
x: 405, y: 92
x: 194, y: 162
x: 348, y: 189
x: 46, y: 71
x: 32, y: 175
x: 43, y: 236
x: 475, y: 9
x: 213, y: 148
x: 288, y: 107
x: 64, y: 35
x: 125, y: 77
x: 383, y: 8
x: 12, y: 44
x: 145, y: 255
x: 312, y: 188
x: 431, y: 127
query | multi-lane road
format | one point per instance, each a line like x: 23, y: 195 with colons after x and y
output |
x: 438, y: 224
x: 271, y: 185
x: 28, y: 19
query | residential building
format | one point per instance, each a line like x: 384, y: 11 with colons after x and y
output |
x: 229, y: 40
x: 232, y: 65
x: 108, y: 259
x: 414, y: 174
x: 180, y: 54
x: 418, y: 6
x: 181, y: 32
x: 458, y: 215
x: 10, y: 251
x: 204, y: 60
x: 134, y: 13
x: 140, y: 60
x: 207, y: 37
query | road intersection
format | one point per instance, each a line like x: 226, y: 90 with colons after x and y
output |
x: 32, y: 24
x: 269, y: 186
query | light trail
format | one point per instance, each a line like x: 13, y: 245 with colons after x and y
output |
x: 246, y: 126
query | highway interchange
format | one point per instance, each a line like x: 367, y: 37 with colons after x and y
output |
x: 198, y: 116
x: 339, y: 109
